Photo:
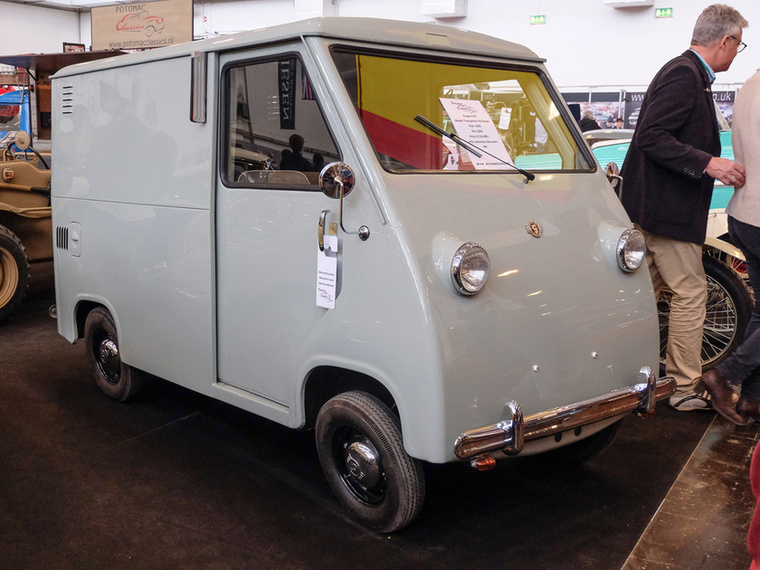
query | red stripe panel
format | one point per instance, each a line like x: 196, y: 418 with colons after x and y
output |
x: 404, y: 143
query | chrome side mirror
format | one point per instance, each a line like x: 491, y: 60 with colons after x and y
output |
x: 335, y: 177
x: 613, y: 176
x: 337, y: 181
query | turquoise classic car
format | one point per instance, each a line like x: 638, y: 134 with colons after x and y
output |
x: 615, y: 151
x: 730, y: 300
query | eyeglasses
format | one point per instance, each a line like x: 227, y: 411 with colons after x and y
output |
x: 740, y: 47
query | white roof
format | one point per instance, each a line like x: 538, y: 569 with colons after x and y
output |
x: 372, y: 30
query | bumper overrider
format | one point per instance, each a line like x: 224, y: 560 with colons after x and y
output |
x: 510, y: 435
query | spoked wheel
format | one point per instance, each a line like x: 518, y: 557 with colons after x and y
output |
x: 14, y: 272
x: 362, y: 455
x: 729, y: 307
x: 114, y: 378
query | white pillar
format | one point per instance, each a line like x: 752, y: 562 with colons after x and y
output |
x: 304, y: 9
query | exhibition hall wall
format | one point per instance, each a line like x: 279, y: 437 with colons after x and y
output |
x: 588, y: 45
x: 29, y: 29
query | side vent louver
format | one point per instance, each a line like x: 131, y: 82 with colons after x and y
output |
x: 67, y: 99
x: 62, y: 238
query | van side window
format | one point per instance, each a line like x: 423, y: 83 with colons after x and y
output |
x: 275, y: 133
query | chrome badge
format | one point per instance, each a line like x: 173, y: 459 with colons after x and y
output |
x: 533, y: 229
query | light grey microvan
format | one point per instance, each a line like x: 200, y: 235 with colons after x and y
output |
x: 391, y: 233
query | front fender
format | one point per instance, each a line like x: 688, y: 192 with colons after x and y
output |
x: 723, y: 247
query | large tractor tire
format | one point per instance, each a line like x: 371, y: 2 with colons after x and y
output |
x: 14, y: 272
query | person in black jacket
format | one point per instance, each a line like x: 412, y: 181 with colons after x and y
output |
x: 587, y: 122
x: 669, y: 172
x: 295, y: 160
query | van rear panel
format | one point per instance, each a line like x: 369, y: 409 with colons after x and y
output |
x: 131, y: 200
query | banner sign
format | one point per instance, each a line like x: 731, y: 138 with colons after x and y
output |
x: 725, y: 102
x: 723, y: 96
x: 632, y: 107
x: 142, y: 25
x: 287, y: 91
x: 73, y: 48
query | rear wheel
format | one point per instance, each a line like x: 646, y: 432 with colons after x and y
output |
x: 362, y: 455
x: 14, y: 272
x: 114, y: 378
x: 729, y: 307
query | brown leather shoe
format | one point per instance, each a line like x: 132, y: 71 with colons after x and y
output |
x: 748, y: 409
x: 722, y: 396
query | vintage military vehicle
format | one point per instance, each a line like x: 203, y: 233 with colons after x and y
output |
x: 25, y: 227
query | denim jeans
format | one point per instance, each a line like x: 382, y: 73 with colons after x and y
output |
x: 742, y: 368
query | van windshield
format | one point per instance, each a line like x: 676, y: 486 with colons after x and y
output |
x: 507, y: 113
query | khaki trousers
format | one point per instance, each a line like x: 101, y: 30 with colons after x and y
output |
x: 677, y: 265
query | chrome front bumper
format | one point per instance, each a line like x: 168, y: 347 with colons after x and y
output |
x: 510, y: 435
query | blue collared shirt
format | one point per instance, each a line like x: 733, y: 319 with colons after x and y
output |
x: 708, y: 69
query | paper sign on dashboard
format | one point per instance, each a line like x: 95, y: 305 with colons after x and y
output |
x: 474, y: 125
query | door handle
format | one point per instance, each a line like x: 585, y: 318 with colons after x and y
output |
x: 321, y: 229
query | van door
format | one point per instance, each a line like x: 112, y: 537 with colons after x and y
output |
x: 268, y: 209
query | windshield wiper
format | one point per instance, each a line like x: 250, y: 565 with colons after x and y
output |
x: 471, y: 148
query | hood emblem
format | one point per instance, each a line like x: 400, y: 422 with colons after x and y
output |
x: 533, y: 229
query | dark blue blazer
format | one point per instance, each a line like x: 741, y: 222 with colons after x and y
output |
x: 665, y: 189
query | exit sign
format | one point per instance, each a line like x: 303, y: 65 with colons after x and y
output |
x: 537, y: 20
x: 663, y: 12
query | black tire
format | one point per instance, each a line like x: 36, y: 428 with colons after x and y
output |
x: 729, y: 307
x: 585, y: 449
x: 362, y: 455
x: 114, y: 378
x: 14, y: 272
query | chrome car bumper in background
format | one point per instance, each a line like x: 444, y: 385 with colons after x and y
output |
x: 510, y: 435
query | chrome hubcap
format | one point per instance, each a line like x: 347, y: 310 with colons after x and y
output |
x: 360, y: 466
x: 363, y: 464
x: 109, y: 362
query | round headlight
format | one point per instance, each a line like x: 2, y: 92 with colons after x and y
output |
x: 469, y: 268
x: 630, y: 250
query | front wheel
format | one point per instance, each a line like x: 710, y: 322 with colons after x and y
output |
x: 362, y: 455
x: 114, y: 378
x: 14, y: 272
x: 729, y: 307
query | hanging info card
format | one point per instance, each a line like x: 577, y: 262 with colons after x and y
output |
x: 327, y: 273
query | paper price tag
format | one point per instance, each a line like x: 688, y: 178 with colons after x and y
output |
x: 327, y: 273
x: 473, y: 124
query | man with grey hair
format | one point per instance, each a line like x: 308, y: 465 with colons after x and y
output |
x: 587, y: 122
x: 669, y: 172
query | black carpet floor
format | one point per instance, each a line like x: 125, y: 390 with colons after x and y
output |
x: 176, y: 480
